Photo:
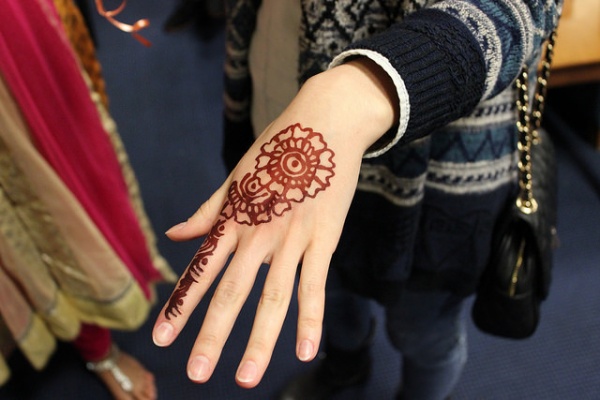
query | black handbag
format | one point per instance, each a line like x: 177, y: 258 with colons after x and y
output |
x: 517, y: 277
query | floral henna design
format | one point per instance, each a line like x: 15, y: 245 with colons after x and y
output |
x: 250, y: 202
x: 296, y: 164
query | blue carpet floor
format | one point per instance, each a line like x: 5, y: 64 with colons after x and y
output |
x: 167, y: 102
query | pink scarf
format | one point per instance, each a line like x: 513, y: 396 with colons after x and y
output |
x: 42, y: 71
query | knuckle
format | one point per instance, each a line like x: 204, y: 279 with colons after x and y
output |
x: 310, y: 289
x: 209, y: 209
x: 206, y: 209
x: 309, y: 322
x: 226, y: 294
x: 209, y: 341
x: 260, y: 346
x: 273, y: 297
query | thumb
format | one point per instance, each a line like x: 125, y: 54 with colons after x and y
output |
x: 203, y: 219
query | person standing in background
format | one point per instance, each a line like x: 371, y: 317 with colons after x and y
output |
x: 385, y: 150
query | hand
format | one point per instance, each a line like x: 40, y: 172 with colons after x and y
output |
x: 284, y: 204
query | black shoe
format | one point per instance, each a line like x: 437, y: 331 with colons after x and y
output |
x: 335, y: 371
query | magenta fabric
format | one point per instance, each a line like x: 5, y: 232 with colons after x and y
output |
x: 41, y: 69
x: 93, y: 342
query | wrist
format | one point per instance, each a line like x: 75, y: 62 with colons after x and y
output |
x: 361, y: 97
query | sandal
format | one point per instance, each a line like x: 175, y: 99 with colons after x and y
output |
x: 110, y: 364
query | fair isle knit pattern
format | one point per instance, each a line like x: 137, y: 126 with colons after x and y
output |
x: 474, y: 154
x: 328, y: 27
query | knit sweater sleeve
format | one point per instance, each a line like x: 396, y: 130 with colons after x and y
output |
x: 446, y: 58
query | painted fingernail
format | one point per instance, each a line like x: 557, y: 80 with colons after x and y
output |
x: 305, y: 350
x: 176, y: 227
x: 247, y: 372
x: 163, y: 334
x: 199, y: 368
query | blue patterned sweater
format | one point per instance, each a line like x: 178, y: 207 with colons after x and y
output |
x: 431, y: 189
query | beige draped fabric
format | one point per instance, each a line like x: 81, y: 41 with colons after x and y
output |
x: 56, y: 268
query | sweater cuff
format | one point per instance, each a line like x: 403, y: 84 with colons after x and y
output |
x: 392, y: 137
x: 441, y: 65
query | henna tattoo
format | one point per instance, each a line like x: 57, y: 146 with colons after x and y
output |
x: 195, y: 268
x: 296, y: 164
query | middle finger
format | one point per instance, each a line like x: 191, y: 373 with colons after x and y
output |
x: 270, y: 315
x: 225, y: 305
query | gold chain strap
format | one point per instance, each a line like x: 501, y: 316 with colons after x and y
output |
x: 528, y: 125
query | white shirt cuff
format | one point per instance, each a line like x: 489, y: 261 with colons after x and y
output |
x: 404, y: 104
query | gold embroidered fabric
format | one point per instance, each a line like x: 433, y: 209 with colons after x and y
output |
x: 79, y: 36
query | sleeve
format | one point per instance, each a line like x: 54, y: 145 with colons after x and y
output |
x: 447, y: 58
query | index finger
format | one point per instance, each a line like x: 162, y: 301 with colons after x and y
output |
x: 193, y: 284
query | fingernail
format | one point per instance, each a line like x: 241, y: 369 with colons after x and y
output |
x: 247, y: 372
x: 176, y: 227
x: 305, y: 351
x: 163, y: 334
x: 199, y: 368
